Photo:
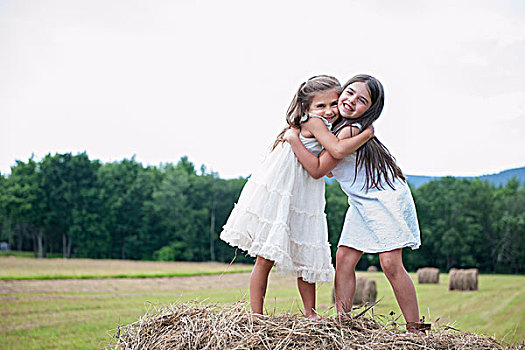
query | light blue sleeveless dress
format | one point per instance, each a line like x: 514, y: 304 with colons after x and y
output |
x: 377, y: 220
x: 280, y: 216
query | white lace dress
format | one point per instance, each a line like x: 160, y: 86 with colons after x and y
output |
x: 280, y: 216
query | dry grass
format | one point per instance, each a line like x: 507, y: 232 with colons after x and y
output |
x: 198, y: 326
x: 20, y: 267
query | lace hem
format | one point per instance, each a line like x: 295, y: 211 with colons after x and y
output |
x: 284, y: 264
x: 244, y: 241
x: 310, y: 276
x: 366, y: 250
x: 250, y: 211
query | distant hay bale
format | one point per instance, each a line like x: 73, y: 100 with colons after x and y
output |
x: 365, y: 291
x: 463, y: 279
x: 427, y: 275
x: 371, y: 268
x: 197, y: 326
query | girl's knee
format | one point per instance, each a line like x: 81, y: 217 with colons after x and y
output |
x: 341, y: 256
x: 347, y: 258
x: 392, y: 266
x: 264, y: 263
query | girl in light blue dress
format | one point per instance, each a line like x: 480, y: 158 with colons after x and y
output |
x: 381, y: 217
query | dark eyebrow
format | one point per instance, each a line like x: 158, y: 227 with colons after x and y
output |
x: 359, y: 96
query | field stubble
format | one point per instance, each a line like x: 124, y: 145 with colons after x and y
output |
x: 82, y: 314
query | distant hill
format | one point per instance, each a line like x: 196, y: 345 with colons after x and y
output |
x: 498, y: 179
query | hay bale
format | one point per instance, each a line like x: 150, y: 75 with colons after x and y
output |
x: 371, y: 268
x: 197, y: 326
x: 365, y: 291
x: 463, y: 279
x: 427, y: 275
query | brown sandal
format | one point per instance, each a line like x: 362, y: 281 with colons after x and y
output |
x: 419, y: 327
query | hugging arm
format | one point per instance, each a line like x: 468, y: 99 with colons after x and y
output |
x: 317, y: 167
x: 338, y: 147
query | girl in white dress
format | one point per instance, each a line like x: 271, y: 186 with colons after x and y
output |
x: 381, y: 217
x: 279, y: 217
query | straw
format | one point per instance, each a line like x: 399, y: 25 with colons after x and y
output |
x: 194, y: 325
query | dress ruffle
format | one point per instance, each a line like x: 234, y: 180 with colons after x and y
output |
x: 280, y: 217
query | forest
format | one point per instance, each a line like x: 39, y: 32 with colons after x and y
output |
x: 68, y: 205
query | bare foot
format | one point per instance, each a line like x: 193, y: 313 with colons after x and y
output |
x: 314, y: 317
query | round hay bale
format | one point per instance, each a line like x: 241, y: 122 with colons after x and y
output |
x: 365, y: 291
x: 427, y: 275
x: 453, y: 279
x: 463, y: 279
x: 371, y: 268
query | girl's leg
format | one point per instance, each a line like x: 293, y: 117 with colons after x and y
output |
x: 307, y: 291
x: 344, y: 284
x: 404, y: 290
x: 258, y: 283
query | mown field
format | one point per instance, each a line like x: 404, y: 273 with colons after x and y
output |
x: 14, y: 268
x: 83, y: 313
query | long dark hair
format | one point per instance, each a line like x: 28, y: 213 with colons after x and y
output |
x: 379, y: 165
x: 303, y: 98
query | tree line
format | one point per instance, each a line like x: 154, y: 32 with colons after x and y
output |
x: 76, y: 207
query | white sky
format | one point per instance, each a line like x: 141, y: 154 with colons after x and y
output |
x: 212, y: 79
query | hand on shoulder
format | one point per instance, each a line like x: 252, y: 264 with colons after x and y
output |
x: 351, y: 131
x: 370, y: 130
x: 291, y: 133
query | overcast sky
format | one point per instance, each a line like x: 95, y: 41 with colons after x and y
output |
x: 212, y: 79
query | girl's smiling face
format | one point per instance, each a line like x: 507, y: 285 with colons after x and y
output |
x: 324, y: 104
x: 354, y: 100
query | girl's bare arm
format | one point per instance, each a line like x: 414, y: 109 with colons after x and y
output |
x: 337, y: 147
x: 318, y: 167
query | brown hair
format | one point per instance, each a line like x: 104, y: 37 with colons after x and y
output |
x: 378, y: 163
x: 303, y: 98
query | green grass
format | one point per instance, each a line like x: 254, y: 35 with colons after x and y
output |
x: 83, y: 314
x: 130, y: 275
x: 18, y: 254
